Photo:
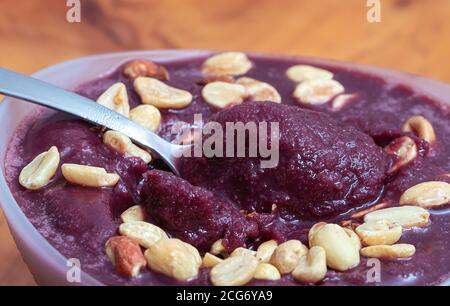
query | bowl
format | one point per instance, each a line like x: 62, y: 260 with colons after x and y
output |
x: 46, y: 264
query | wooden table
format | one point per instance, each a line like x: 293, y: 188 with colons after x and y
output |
x: 413, y: 35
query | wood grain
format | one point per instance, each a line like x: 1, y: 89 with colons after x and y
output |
x: 413, y: 36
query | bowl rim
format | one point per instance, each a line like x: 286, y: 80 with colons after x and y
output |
x: 434, y: 89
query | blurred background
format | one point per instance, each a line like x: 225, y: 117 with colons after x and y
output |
x: 413, y: 36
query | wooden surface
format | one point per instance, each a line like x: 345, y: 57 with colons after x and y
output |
x: 413, y: 36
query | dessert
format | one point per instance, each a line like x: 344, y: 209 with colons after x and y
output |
x: 363, y: 173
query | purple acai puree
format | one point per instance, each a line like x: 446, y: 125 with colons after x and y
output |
x: 325, y: 167
x: 195, y: 214
x: 330, y: 167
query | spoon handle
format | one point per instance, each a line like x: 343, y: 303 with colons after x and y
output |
x: 39, y: 92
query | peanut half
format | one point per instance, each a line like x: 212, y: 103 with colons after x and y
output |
x: 286, y: 255
x: 174, y: 258
x: 341, y: 249
x: 126, y: 255
x: 210, y: 260
x: 217, y: 247
x: 300, y: 73
x: 421, y: 127
x: 427, y: 195
x: 89, y: 176
x: 123, y: 145
x: 161, y: 95
x: 312, y: 267
x: 222, y: 95
x: 389, y: 251
x: 259, y: 91
x: 234, y: 271
x: 318, y: 91
x: 342, y: 101
x: 379, y: 232
x: 405, y: 150
x: 242, y: 251
x: 405, y: 216
x: 116, y: 99
x: 265, y: 250
x: 134, y: 213
x: 146, y: 234
x: 266, y: 271
x: 40, y: 170
x: 146, y: 115
x: 227, y: 63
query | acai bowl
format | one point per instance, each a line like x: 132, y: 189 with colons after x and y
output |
x: 357, y: 144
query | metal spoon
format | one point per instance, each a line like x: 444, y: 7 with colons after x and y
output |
x: 33, y: 90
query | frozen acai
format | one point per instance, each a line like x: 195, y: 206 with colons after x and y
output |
x: 362, y: 171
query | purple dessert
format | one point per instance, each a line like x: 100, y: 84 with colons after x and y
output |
x: 351, y: 146
x: 324, y: 168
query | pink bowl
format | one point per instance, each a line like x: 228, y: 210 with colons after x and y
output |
x: 47, y: 265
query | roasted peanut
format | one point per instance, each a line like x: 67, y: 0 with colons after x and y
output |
x: 40, y: 170
x: 340, y: 247
x: 421, y: 127
x: 379, y: 232
x: 146, y: 234
x: 265, y: 250
x: 210, y: 260
x: 300, y: 73
x: 222, y: 95
x: 234, y: 271
x: 266, y: 271
x: 161, y: 95
x: 227, y: 63
x: 144, y: 68
x: 405, y: 150
x: 354, y: 238
x: 242, y: 251
x: 174, y: 258
x: 427, y: 195
x: 116, y: 99
x: 259, y: 91
x: 389, y: 251
x: 146, y: 115
x: 314, y: 229
x: 312, y: 267
x: 217, y: 247
x: 286, y: 255
x: 342, y: 101
x: 89, y: 176
x: 123, y: 145
x: 134, y: 213
x: 318, y: 91
x: 405, y: 216
x: 126, y: 255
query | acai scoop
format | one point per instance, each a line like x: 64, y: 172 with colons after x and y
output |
x: 325, y: 167
x: 194, y: 214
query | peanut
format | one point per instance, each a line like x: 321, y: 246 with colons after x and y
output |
x: 174, y: 258
x: 40, y: 170
x: 427, y: 195
x: 312, y: 267
x: 227, y: 63
x: 146, y: 234
x: 160, y: 95
x: 286, y: 255
x: 116, y: 99
x: 146, y: 115
x: 89, y: 176
x: 234, y: 271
